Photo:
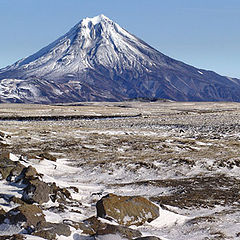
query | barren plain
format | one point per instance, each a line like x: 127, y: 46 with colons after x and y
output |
x: 185, y: 157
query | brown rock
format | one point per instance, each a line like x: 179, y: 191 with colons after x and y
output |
x: 31, y: 173
x: 36, y: 191
x: 93, y: 227
x: 59, y: 194
x: 16, y: 200
x: 30, y: 215
x: 15, y: 173
x: 127, y: 210
x: 49, y: 231
x: 2, y: 215
x: 6, y: 165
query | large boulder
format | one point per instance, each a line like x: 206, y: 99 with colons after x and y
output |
x: 127, y: 210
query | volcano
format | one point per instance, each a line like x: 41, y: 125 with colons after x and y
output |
x: 97, y: 60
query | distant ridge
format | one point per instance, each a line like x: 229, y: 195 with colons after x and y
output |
x: 97, y: 60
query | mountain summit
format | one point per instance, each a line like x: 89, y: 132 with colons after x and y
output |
x: 97, y: 60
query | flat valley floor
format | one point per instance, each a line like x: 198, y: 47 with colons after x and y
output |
x: 184, y: 156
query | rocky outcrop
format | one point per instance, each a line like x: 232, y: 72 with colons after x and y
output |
x: 127, y: 210
x: 28, y: 214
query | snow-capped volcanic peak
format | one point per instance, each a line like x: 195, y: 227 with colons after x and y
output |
x: 98, y: 60
x: 91, y: 42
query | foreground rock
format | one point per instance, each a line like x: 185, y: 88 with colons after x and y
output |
x: 95, y: 227
x: 25, y: 215
x: 127, y: 210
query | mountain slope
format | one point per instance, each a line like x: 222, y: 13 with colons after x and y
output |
x: 98, y: 60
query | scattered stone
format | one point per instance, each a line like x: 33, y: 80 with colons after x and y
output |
x: 127, y: 210
x: 57, y: 209
x: 4, y: 135
x: 61, y: 195
x: 48, y: 156
x: 75, y: 189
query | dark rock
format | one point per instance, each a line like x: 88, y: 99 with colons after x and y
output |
x: 58, y: 194
x: 48, y: 156
x: 148, y: 238
x: 57, y: 209
x: 15, y: 173
x: 75, y: 189
x: 94, y: 227
x: 4, y: 135
x: 16, y: 200
x: 30, y: 173
x: 40, y: 192
x: 30, y: 215
x: 2, y: 215
x: 6, y: 165
x: 36, y: 191
x: 127, y: 210
x: 49, y: 231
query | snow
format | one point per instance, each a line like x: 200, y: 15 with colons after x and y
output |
x: 95, y: 20
x: 168, y: 219
x: 8, y: 190
x: 6, y: 229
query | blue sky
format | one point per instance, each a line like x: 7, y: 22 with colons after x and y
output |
x: 203, y: 33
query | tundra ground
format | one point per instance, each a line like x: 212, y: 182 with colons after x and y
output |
x: 183, y: 156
